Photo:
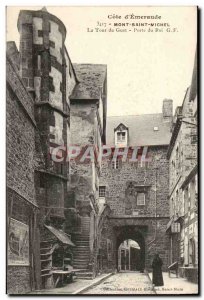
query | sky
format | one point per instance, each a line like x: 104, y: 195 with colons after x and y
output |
x: 143, y: 68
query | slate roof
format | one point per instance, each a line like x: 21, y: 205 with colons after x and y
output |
x: 141, y: 129
x: 91, y: 78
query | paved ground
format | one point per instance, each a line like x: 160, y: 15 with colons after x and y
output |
x: 134, y: 283
x: 72, y: 288
x: 124, y: 283
x: 174, y: 285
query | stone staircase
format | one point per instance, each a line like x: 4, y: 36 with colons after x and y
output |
x: 46, y: 263
x: 81, y: 253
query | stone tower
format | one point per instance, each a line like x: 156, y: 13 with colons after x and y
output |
x: 49, y: 77
x: 45, y: 69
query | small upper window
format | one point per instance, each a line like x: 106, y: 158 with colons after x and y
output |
x: 140, y: 198
x: 102, y: 191
x: 121, y: 136
x: 115, y: 164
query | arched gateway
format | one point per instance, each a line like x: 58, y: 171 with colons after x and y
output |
x: 133, y: 233
x: 148, y: 233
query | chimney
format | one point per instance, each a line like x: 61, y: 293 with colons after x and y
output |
x: 167, y: 109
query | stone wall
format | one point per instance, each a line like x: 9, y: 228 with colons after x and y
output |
x: 182, y: 159
x: 153, y: 216
x: 18, y: 280
x: 154, y: 176
x: 21, y: 198
x: 20, y: 132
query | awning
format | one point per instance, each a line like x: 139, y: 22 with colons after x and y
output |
x: 179, y: 219
x: 169, y: 223
x: 60, y: 235
x: 173, y: 225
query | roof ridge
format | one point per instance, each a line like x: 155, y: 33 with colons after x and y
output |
x: 134, y: 115
x: 90, y: 64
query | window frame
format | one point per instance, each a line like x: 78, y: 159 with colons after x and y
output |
x: 115, y: 164
x: 100, y: 189
x: 144, y: 200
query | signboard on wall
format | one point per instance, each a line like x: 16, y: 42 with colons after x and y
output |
x: 18, y: 243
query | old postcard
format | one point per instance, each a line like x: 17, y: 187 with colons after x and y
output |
x: 102, y: 184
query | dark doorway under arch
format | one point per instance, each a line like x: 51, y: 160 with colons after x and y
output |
x: 130, y: 232
x: 129, y: 256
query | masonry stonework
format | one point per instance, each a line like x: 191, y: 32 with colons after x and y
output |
x: 82, y: 211
x: 154, y: 214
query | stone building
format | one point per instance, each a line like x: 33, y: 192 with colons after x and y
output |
x: 81, y: 210
x: 182, y: 154
x: 46, y: 202
x: 40, y: 78
x: 88, y: 125
x: 22, y: 207
x: 137, y: 191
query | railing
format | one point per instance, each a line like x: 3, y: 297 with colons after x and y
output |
x: 173, y: 268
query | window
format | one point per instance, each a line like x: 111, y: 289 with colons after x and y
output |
x: 192, y: 193
x: 40, y: 33
x: 51, y: 85
x: 115, y: 164
x: 191, y: 252
x: 177, y: 161
x: 52, y: 44
x: 39, y: 62
x: 102, y: 191
x: 70, y: 72
x: 172, y: 206
x: 61, y: 88
x: 186, y: 200
x: 121, y: 137
x: 140, y: 198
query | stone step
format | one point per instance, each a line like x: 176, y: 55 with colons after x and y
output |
x: 81, y: 252
x: 45, y: 244
x: 84, y: 275
x: 80, y: 266
x: 81, y: 247
x: 80, y: 235
x: 82, y: 262
x: 78, y: 253
x: 81, y: 241
x: 78, y: 244
x: 81, y: 238
x: 80, y: 258
x: 84, y: 245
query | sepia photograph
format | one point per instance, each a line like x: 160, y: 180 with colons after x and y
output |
x: 102, y: 150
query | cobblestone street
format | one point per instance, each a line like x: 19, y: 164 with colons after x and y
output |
x: 124, y: 283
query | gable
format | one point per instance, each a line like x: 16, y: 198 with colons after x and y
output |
x: 121, y: 127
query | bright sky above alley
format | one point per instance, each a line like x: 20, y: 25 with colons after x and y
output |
x: 143, y: 67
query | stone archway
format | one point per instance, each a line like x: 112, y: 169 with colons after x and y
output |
x: 131, y: 232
